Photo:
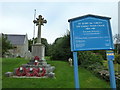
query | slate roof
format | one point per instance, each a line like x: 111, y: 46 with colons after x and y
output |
x: 96, y: 16
x: 16, y: 39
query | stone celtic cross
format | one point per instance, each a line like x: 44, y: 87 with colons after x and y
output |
x: 40, y: 21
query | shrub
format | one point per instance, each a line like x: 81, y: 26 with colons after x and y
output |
x: 118, y: 83
x: 101, y: 52
x: 87, y: 58
x: 60, y: 49
x: 117, y: 58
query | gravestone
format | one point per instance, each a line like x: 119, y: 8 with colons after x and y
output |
x: 38, y: 49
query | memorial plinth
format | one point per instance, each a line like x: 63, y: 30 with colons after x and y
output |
x: 38, y: 50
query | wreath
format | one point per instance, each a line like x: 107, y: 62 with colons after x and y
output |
x: 21, y: 71
x: 36, y: 58
x: 42, y: 72
x: 32, y: 72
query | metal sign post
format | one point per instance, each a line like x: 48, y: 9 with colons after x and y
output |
x: 76, y: 77
x: 110, y: 58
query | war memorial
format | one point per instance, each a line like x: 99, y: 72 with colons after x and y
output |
x: 37, y: 66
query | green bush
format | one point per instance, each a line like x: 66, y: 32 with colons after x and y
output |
x: 60, y: 49
x: 87, y: 58
x: 118, y: 83
x: 101, y: 52
x: 117, y: 58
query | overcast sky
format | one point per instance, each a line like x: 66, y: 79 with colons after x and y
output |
x: 17, y: 17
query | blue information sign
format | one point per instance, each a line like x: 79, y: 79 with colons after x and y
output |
x: 90, y: 32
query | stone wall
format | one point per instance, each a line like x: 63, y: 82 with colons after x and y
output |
x: 20, y: 50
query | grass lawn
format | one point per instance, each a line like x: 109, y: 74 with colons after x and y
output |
x: 63, y: 72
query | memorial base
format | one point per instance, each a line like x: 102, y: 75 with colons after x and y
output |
x: 38, y: 50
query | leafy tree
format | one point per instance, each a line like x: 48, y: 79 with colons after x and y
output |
x: 43, y: 41
x: 6, y: 45
x: 60, y: 50
x: 30, y: 43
